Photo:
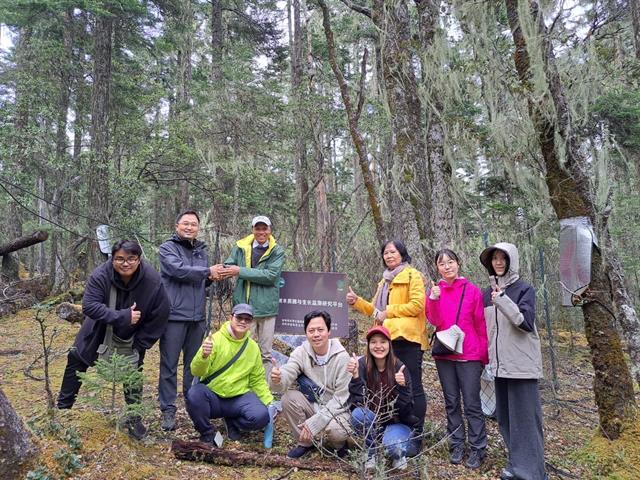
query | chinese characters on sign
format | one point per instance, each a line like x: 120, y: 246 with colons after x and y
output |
x: 303, y: 292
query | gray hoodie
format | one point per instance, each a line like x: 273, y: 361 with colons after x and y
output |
x: 332, y: 377
x: 514, y: 344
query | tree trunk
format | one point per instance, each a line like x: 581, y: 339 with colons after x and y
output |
x: 17, y: 451
x: 635, y: 17
x: 570, y: 194
x: 98, y: 168
x: 217, y: 39
x: 23, y: 242
x: 353, y: 117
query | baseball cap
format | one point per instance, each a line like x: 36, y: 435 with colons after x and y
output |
x: 261, y: 219
x: 242, y: 309
x: 380, y: 330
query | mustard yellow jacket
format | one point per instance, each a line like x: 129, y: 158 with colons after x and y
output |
x: 405, y: 311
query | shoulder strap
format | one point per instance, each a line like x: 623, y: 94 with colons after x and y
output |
x: 460, y: 304
x: 220, y: 371
x: 112, y: 305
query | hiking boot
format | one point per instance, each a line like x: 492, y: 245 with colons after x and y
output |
x: 168, y: 422
x: 299, y: 451
x: 456, y: 455
x: 476, y: 457
x: 342, y: 451
x: 507, y: 474
x: 233, y: 433
x: 135, y: 428
x: 399, y: 463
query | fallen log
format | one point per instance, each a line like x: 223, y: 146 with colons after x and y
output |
x: 205, y: 452
x: 70, y: 312
x: 23, y: 242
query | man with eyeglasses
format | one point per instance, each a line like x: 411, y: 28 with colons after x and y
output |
x: 125, y: 293
x: 185, y: 270
x: 232, y: 380
x: 256, y: 261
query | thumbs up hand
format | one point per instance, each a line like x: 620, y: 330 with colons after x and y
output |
x: 435, y: 291
x: 352, y: 366
x: 135, y: 314
x: 276, y: 376
x: 207, y: 346
x: 351, y: 297
x: 400, y: 378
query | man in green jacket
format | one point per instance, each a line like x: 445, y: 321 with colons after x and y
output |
x: 233, y: 386
x: 256, y: 260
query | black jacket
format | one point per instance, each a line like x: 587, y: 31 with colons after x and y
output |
x: 144, y: 289
x: 403, y: 403
x: 184, y: 267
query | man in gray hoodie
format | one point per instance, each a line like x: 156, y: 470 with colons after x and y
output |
x: 319, y: 363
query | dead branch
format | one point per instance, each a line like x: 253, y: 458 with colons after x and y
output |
x: 23, y: 242
x: 204, y: 452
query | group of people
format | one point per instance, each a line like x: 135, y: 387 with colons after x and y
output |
x: 329, y: 397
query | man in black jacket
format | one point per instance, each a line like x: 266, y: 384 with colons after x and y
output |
x: 185, y: 271
x: 140, y: 313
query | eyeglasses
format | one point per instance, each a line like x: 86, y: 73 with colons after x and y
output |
x: 189, y: 224
x: 244, y: 319
x: 122, y: 260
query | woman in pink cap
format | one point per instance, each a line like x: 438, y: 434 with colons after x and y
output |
x: 381, y: 394
x: 454, y: 305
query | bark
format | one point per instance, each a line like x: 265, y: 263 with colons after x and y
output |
x: 324, y: 237
x: 217, y: 39
x: 23, y: 242
x: 17, y: 450
x: 303, y: 223
x: 98, y: 169
x: 635, y: 17
x: 442, y: 228
x: 409, y: 151
x: 570, y: 194
x: 205, y: 452
x: 356, y: 135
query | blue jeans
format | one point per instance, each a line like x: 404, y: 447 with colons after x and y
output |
x: 395, y: 437
x: 246, y: 412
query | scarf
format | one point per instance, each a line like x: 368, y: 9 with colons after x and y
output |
x: 382, y: 300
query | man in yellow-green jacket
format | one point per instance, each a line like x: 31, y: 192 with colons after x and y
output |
x: 233, y: 384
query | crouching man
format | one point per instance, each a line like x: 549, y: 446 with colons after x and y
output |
x: 232, y: 380
x: 320, y: 409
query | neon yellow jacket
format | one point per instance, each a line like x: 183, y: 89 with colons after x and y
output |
x: 246, y: 373
x: 405, y: 311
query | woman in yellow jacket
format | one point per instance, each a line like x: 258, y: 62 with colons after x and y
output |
x: 399, y: 305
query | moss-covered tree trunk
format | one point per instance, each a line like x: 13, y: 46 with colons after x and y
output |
x: 571, y: 195
x: 16, y: 448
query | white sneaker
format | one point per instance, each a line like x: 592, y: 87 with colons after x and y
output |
x: 370, y: 464
x: 399, y: 463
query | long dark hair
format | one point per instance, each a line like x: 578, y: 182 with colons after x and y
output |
x: 374, y: 381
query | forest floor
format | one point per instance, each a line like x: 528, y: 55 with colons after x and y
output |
x: 573, y: 450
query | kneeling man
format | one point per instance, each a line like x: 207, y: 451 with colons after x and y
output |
x: 233, y: 384
x: 321, y: 409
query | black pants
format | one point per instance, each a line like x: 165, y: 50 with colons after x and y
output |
x: 410, y: 353
x: 520, y: 420
x: 461, y: 381
x: 71, y: 383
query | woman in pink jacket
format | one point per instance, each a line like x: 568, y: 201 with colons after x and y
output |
x: 457, y: 301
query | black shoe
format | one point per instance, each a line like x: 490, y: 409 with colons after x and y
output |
x: 506, y: 475
x: 233, y: 433
x: 456, y: 455
x: 299, y: 451
x: 342, y: 451
x: 168, y: 422
x: 208, y: 438
x: 135, y: 428
x: 476, y: 457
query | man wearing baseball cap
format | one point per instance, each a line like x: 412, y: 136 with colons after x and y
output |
x: 256, y: 260
x: 232, y: 384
